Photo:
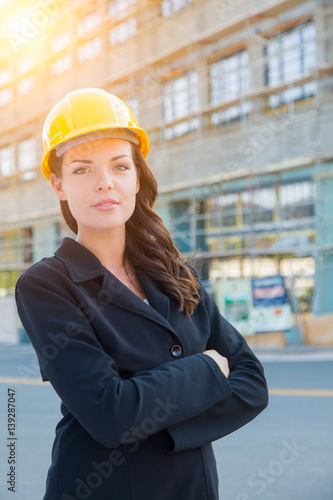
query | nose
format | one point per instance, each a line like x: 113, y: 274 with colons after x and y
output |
x: 104, y: 182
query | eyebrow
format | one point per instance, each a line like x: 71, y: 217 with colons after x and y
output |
x: 90, y: 161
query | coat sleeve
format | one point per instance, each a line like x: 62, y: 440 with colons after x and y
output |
x: 249, y: 394
x: 87, y: 380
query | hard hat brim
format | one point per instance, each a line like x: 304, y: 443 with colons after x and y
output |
x: 142, y: 137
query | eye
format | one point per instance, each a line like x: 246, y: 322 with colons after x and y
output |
x: 81, y: 170
x: 121, y: 167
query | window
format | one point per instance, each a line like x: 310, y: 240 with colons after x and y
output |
x: 10, y: 246
x: 7, y: 160
x: 25, y: 86
x: 119, y: 9
x: 27, y: 244
x: 169, y: 7
x: 180, y: 215
x: 61, y: 65
x: 229, y: 80
x: 123, y: 32
x: 181, y: 98
x: 60, y: 41
x: 87, y: 24
x: 291, y: 55
x: 27, y: 157
x: 258, y: 206
x: 5, y: 76
x: 223, y: 210
x: 17, y: 245
x: 25, y: 64
x: 6, y: 95
x: 297, y: 200
x: 133, y: 104
x: 89, y: 50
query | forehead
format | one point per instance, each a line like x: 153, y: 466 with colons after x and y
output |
x: 98, y: 148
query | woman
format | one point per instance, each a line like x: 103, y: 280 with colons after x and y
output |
x: 148, y: 371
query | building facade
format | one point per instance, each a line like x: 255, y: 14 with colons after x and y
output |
x: 236, y: 97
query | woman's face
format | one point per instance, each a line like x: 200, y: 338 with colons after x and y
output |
x: 100, y: 183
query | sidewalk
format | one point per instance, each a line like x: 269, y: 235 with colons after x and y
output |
x: 295, y: 353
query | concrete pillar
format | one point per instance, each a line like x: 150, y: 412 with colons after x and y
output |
x: 324, y: 258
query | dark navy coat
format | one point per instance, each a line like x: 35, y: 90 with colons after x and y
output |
x: 141, y: 403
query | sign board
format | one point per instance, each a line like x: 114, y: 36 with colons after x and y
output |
x: 269, y: 291
x: 255, y: 305
x: 234, y: 299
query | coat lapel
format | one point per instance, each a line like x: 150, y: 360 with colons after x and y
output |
x: 156, y: 298
x: 121, y: 296
x: 84, y: 266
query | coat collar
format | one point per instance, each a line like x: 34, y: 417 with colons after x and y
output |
x: 83, y: 265
x: 80, y: 262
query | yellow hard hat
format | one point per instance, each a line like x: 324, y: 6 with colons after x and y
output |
x: 84, y: 111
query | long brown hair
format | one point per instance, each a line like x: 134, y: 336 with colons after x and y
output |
x: 149, y: 246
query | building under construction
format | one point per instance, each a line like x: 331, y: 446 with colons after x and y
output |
x: 236, y: 97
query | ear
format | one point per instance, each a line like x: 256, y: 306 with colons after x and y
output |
x: 57, y: 187
x: 137, y: 185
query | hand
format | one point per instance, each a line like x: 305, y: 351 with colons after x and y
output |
x: 220, y: 360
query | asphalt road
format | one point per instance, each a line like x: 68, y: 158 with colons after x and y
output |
x: 284, y: 454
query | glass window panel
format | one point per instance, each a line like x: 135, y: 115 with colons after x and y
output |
x: 180, y: 98
x: 89, y: 50
x: 25, y: 86
x: 273, y: 47
x: 309, y: 32
x: 309, y: 56
x: 293, y: 94
x: 229, y: 78
x: 169, y: 7
x: 310, y: 89
x: 244, y: 81
x: 181, y: 128
x: 167, y: 105
x: 121, y: 8
x: 233, y: 63
x: 297, y: 200
x: 291, y: 40
x: 232, y: 87
x: 166, y: 8
x: 123, y: 32
x: 229, y: 210
x: 180, y: 84
x: 232, y: 113
x: 7, y: 160
x: 25, y: 64
x: 297, y: 55
x: 27, y: 157
x: 133, y: 104
x: 246, y: 107
x: 88, y: 23
x: 292, y: 65
x: 258, y: 206
x: 5, y: 76
x: 61, y: 65
x: 27, y: 154
x: 244, y: 58
x: 60, y: 41
x: 168, y: 134
x: 216, y: 119
x: 274, y: 100
x: 6, y: 95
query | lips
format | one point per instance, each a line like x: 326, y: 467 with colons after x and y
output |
x: 106, y: 203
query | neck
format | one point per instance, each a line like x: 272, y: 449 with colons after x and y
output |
x: 108, y: 247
